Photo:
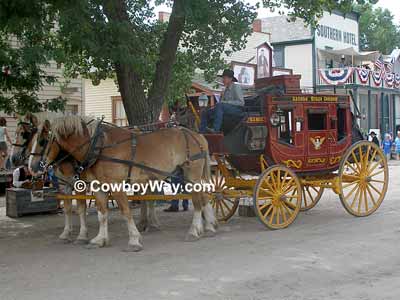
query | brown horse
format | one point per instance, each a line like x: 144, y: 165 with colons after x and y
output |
x: 65, y: 172
x: 27, y: 131
x: 154, y: 156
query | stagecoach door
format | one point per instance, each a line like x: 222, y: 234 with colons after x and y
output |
x: 318, y: 137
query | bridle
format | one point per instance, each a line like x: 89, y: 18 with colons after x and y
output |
x: 27, y: 136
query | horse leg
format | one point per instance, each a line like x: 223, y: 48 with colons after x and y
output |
x: 66, y: 234
x: 210, y: 221
x: 143, y: 220
x: 83, y: 232
x: 196, y: 229
x: 101, y: 239
x: 134, y: 243
x: 154, y: 224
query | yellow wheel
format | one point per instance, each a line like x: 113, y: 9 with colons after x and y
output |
x: 310, y: 196
x: 363, y: 178
x: 223, y: 203
x: 277, y: 197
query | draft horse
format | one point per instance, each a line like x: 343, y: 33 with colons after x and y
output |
x: 111, y: 155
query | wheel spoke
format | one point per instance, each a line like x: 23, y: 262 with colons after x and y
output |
x: 272, y: 214
x: 350, y: 184
x: 351, y: 167
x: 376, y: 173
x: 355, y: 198
x: 375, y: 189
x: 370, y: 194
x: 378, y: 163
x: 350, y: 193
x: 268, y: 211
x: 283, y: 214
x: 365, y: 199
x: 360, y: 196
x: 290, y: 204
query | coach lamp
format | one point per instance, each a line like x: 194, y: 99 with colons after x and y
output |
x: 203, y: 100
x: 275, y: 118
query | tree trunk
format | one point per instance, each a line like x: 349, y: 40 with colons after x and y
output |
x: 139, y: 108
x: 167, y: 57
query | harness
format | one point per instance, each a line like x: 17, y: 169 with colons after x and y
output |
x: 97, y: 146
x: 27, y: 135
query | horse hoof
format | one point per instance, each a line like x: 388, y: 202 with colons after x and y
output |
x: 153, y: 228
x: 64, y: 240
x: 191, y: 238
x: 133, y: 248
x: 80, y: 242
x: 210, y: 233
x: 141, y: 227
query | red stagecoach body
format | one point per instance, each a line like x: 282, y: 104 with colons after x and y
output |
x: 306, y: 132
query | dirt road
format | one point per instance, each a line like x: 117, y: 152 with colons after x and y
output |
x: 325, y: 254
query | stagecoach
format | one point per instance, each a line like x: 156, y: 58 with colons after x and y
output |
x: 283, y: 152
x: 286, y: 149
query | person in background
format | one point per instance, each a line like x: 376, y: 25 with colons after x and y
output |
x: 397, y: 144
x: 387, y: 146
x: 174, y: 206
x: 374, y: 138
x: 342, y: 63
x: 231, y: 103
x: 22, y: 176
x: 3, y: 144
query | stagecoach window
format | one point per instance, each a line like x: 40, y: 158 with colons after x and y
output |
x: 341, y: 128
x: 285, y: 130
x: 316, y: 120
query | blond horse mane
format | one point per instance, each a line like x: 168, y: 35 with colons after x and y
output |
x: 73, y: 124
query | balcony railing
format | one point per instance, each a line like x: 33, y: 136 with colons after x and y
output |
x: 359, y: 76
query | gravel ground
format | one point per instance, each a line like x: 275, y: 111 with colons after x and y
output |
x: 325, y: 254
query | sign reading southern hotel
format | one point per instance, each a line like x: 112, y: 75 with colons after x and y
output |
x: 336, y: 35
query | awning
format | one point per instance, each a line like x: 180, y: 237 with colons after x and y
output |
x: 364, y: 55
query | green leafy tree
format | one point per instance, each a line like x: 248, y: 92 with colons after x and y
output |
x: 152, y: 62
x: 26, y: 46
x: 377, y: 29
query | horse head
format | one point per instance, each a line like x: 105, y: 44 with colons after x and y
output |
x: 24, y: 135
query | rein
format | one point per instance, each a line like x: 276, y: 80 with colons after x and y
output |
x: 94, y: 153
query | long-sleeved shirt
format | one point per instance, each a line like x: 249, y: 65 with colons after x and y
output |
x: 17, y: 180
x: 233, y: 94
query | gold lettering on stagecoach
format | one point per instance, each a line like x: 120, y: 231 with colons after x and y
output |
x: 317, y: 142
x: 317, y: 160
x: 255, y: 120
x: 293, y: 163
x: 334, y: 160
x: 315, y: 98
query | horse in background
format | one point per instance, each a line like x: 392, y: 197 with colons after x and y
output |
x: 164, y: 150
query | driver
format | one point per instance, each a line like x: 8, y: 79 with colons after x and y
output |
x: 231, y: 103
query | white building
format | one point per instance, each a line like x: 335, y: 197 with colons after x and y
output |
x: 332, y: 51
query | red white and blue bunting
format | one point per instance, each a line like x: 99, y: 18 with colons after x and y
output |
x: 336, y: 76
x: 389, y: 79
x: 363, y: 75
x: 397, y: 81
x: 377, y: 77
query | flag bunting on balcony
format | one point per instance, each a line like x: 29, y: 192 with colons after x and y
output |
x: 363, y: 75
x: 336, y: 76
x: 389, y: 79
x: 397, y: 81
x: 377, y: 77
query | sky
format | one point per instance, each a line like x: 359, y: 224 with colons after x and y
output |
x: 392, y: 5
